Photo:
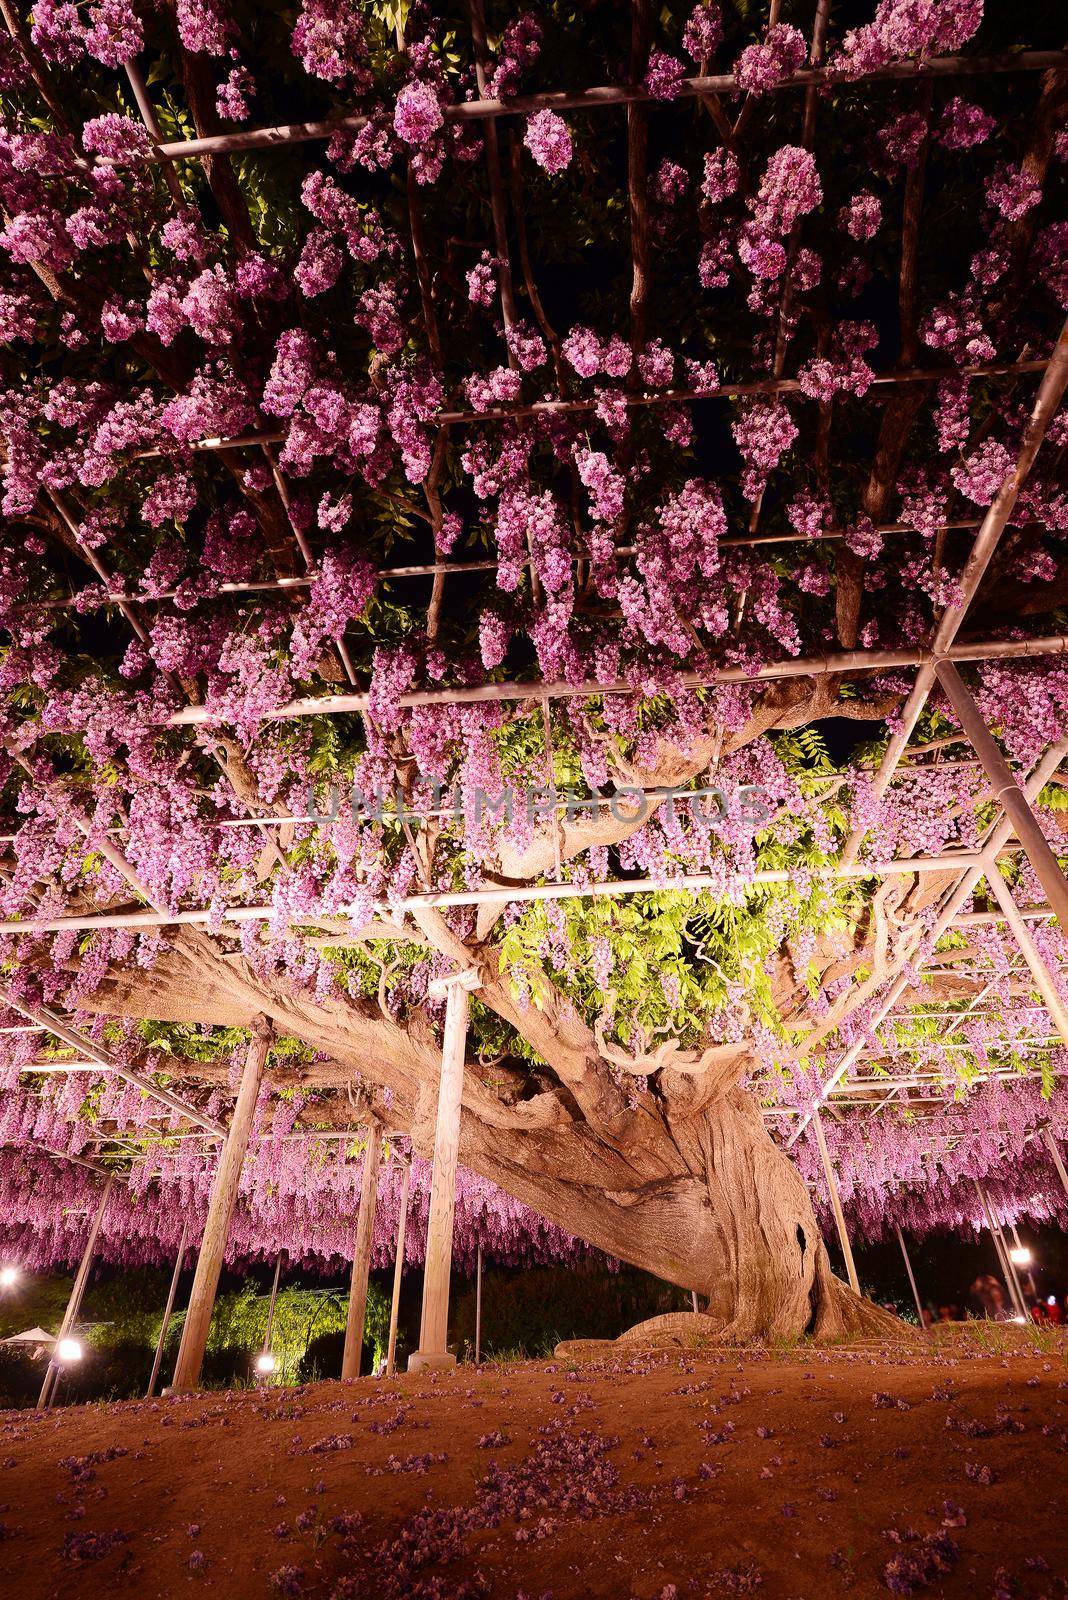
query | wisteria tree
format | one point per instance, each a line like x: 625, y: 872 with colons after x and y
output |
x: 507, y: 417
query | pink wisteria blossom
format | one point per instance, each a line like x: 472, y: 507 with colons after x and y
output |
x: 517, y: 52
x: 663, y: 76
x: 417, y: 114
x: 548, y: 139
x: 863, y: 215
x: 763, y: 66
x: 703, y: 31
x: 1013, y: 192
x: 963, y: 125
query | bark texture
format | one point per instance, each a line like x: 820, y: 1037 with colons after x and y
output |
x: 681, y: 1179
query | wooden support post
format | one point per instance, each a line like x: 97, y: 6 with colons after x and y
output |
x: 1051, y: 1145
x: 74, y: 1304
x: 912, y: 1276
x: 165, y: 1324
x: 1007, y: 791
x: 398, y: 1270
x: 434, y: 1326
x: 836, y: 1204
x: 361, y: 1255
x: 693, y: 1300
x: 220, y: 1208
x: 478, y: 1309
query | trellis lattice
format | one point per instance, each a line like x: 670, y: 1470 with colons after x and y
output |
x: 703, y: 426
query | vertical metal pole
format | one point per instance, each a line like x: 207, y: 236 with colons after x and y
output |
x: 165, y: 1324
x: 836, y: 1204
x: 273, y: 1303
x: 912, y: 1275
x: 1007, y: 791
x: 74, y: 1304
x: 434, y: 1326
x: 990, y: 1229
x: 1015, y: 1285
x: 398, y: 1270
x: 1020, y: 1246
x: 361, y: 1255
x: 224, y: 1187
x: 478, y: 1309
x: 1044, y: 983
x: 999, y: 1246
x: 1048, y: 990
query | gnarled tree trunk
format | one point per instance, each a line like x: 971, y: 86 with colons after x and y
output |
x: 685, y: 1182
x: 731, y: 1218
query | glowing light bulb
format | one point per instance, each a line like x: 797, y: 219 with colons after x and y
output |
x: 266, y: 1362
x: 1051, y: 1299
x: 8, y: 1276
x: 68, y: 1350
x: 1020, y: 1255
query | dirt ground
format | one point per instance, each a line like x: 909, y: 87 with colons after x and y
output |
x: 670, y: 1474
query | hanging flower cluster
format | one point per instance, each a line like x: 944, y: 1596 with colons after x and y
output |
x: 380, y: 413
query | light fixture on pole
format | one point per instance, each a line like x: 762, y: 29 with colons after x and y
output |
x: 1020, y: 1255
x: 67, y: 1349
x: 266, y: 1362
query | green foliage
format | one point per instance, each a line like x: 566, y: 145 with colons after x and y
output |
x: 121, y: 1320
x: 33, y: 1302
x: 239, y: 1323
x: 1054, y: 797
x: 527, y: 1312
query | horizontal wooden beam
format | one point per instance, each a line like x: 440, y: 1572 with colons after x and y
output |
x: 640, y: 397
x: 952, y: 861
x: 563, y: 803
x: 103, y: 1058
x: 605, y: 95
x: 431, y: 569
x: 987, y: 919
x: 828, y: 665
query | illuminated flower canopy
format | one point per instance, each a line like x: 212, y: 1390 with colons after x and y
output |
x: 508, y: 417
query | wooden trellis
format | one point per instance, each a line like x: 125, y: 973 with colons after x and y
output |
x: 927, y: 660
